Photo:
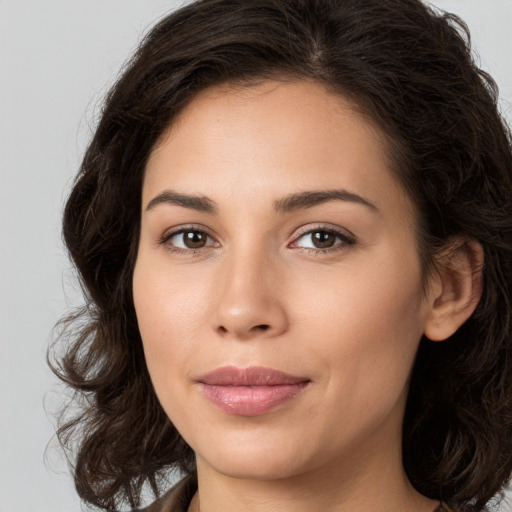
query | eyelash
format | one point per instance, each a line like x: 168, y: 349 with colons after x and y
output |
x: 343, y: 239
x: 164, y: 240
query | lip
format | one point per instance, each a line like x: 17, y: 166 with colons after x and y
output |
x: 250, y: 391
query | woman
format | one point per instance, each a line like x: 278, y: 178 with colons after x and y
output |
x: 294, y: 229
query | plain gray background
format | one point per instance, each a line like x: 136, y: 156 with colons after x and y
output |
x: 57, y: 58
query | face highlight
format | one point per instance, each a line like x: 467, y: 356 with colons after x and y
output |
x: 277, y: 286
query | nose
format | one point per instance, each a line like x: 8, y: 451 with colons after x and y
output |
x: 250, y: 300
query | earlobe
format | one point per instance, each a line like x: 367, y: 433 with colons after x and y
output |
x: 455, y: 290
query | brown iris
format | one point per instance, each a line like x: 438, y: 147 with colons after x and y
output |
x: 194, y: 239
x: 323, y: 239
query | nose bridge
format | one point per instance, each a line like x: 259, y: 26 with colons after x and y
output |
x: 250, y: 301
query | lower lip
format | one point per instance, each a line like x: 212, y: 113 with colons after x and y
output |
x: 251, y: 400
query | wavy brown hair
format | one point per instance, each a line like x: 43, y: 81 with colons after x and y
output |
x: 409, y: 68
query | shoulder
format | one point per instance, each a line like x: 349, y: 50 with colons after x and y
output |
x: 177, y: 499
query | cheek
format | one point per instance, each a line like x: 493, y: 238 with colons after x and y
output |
x: 170, y: 312
x: 377, y: 296
x: 366, y: 327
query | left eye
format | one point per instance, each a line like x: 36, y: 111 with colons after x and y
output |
x: 321, y: 239
x: 190, y: 239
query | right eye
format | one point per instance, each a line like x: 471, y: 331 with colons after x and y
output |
x: 188, y: 240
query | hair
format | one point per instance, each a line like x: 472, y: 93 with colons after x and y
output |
x: 406, y: 66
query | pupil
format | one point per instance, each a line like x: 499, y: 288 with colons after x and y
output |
x: 323, y: 239
x: 194, y: 239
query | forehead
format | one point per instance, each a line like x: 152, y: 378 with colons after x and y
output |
x: 268, y: 138
x: 261, y: 104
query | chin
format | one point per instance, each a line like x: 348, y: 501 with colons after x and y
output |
x: 256, y: 455
x: 262, y: 467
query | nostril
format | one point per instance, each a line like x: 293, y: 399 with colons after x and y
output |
x: 262, y: 327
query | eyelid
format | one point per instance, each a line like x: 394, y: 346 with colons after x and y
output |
x: 346, y: 237
x: 303, y: 230
x: 176, y: 230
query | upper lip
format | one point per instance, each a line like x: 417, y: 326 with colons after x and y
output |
x: 251, y: 376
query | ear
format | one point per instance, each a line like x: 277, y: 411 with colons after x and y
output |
x: 455, y: 289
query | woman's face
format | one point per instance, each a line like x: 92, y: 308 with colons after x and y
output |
x: 277, y: 286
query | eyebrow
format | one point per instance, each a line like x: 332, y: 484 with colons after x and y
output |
x: 308, y: 199
x: 287, y: 204
x: 199, y: 203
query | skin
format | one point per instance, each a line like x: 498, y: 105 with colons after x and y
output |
x: 258, y: 293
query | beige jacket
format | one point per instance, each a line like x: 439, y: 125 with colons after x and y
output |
x: 178, y: 498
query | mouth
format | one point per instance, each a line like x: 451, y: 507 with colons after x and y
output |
x: 250, y: 391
